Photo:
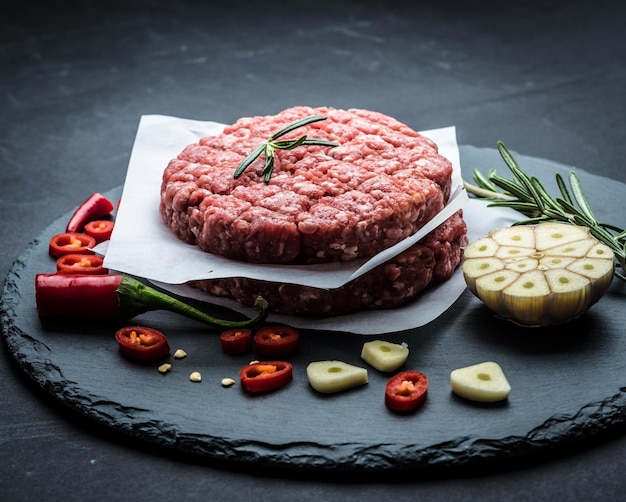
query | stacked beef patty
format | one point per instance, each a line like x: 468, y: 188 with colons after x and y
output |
x: 323, y: 204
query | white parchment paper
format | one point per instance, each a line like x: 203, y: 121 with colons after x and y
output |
x: 142, y: 245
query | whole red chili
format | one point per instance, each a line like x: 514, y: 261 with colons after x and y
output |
x: 236, y: 341
x: 142, y: 343
x: 100, y: 230
x: 276, y: 342
x: 70, y: 243
x: 95, y: 207
x: 406, y: 391
x: 265, y: 376
x: 81, y: 264
x: 114, y: 297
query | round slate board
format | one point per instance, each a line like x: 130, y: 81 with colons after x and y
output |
x: 568, y: 382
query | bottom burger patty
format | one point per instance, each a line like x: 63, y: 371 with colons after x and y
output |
x: 394, y: 283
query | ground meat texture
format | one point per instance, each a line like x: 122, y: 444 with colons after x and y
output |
x: 431, y: 261
x: 381, y: 184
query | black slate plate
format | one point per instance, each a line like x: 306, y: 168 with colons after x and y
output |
x: 568, y: 382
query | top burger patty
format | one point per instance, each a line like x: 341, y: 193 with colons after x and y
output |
x: 382, y: 183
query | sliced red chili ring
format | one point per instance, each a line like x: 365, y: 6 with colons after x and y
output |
x: 81, y: 264
x: 141, y: 343
x: 100, y: 230
x: 236, y: 341
x: 276, y: 342
x: 71, y: 243
x: 406, y: 391
x: 265, y: 376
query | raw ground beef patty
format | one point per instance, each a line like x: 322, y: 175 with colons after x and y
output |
x: 381, y: 183
x: 394, y: 283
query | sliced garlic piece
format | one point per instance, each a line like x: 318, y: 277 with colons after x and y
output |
x: 335, y: 376
x: 549, y: 277
x: 385, y: 356
x: 484, y: 382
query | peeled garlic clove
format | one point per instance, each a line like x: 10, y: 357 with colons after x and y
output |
x: 335, y: 376
x: 385, y: 356
x: 484, y: 382
x: 541, y: 274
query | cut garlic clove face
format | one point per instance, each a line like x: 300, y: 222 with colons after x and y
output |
x: 385, y: 356
x: 545, y: 274
x: 484, y: 382
x: 335, y: 376
x: 482, y: 248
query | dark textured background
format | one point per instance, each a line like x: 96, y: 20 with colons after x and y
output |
x: 546, y: 77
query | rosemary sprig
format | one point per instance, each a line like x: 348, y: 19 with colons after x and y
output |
x: 270, y: 145
x: 528, y: 196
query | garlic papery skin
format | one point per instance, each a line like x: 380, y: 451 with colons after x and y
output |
x: 539, y: 275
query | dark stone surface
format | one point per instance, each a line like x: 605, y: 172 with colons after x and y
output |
x: 568, y: 382
x: 546, y: 77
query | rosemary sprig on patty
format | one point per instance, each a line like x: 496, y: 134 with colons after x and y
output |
x: 270, y: 145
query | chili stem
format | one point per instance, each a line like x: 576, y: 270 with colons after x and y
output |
x: 136, y: 297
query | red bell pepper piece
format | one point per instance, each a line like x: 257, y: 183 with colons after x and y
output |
x: 100, y: 230
x: 142, y: 343
x: 115, y: 297
x: 70, y: 243
x: 236, y: 341
x: 95, y: 207
x: 406, y: 391
x: 276, y: 342
x: 81, y: 264
x: 265, y: 376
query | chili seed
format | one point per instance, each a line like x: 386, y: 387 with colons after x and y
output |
x: 195, y: 376
x: 179, y: 354
x: 227, y: 382
x: 164, y: 368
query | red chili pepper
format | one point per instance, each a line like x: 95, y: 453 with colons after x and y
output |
x: 265, y: 376
x: 236, y: 341
x: 276, y: 342
x: 95, y: 207
x: 100, y: 230
x: 81, y: 264
x: 406, y: 391
x: 115, y: 297
x: 141, y: 343
x: 71, y: 243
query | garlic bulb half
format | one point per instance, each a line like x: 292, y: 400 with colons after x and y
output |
x: 537, y: 275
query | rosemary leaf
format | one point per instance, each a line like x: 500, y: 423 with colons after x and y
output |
x: 485, y: 182
x: 296, y: 125
x: 579, y: 196
x: 563, y: 188
x: 249, y: 159
x: 523, y: 207
x: 543, y: 193
x: 289, y: 144
x: 319, y: 142
x: 511, y: 187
